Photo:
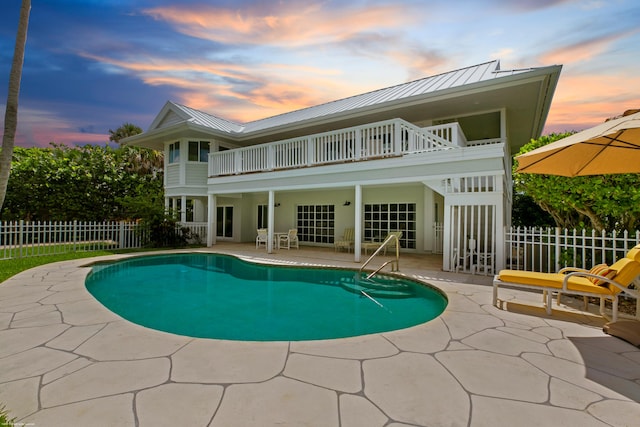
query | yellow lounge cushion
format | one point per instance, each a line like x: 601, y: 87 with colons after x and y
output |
x: 634, y: 253
x: 626, y: 270
x: 601, y: 270
x: 552, y: 280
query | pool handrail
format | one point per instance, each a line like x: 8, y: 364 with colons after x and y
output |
x: 386, y: 241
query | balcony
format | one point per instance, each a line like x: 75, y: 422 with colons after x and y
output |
x: 390, y: 138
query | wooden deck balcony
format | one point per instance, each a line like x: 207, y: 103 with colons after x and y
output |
x: 372, y: 141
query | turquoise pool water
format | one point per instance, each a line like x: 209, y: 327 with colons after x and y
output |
x: 223, y: 297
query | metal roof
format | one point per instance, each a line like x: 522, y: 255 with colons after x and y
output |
x: 208, y: 120
x: 440, y: 82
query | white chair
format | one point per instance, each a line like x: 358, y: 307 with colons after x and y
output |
x: 290, y: 239
x: 464, y: 258
x: 262, y: 237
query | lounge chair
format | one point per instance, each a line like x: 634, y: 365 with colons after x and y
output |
x: 289, y: 239
x: 604, y: 282
x: 346, y: 241
x: 262, y: 237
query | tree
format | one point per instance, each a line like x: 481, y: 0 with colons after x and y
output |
x: 600, y: 201
x: 11, y: 112
x: 124, y: 131
x: 79, y: 183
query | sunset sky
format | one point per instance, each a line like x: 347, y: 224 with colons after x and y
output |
x: 91, y: 65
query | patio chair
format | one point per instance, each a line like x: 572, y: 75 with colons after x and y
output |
x: 262, y: 237
x: 346, y: 241
x: 289, y: 239
x: 603, y: 282
x: 462, y: 260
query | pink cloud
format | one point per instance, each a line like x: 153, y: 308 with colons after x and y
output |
x: 582, y: 51
x: 38, y: 128
x: 281, y: 24
x: 235, y: 91
x: 584, y: 101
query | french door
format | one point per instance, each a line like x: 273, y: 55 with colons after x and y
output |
x: 224, y: 222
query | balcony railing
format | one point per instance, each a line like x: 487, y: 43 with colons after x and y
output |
x: 375, y: 140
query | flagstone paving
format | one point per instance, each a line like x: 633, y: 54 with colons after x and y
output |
x: 65, y: 360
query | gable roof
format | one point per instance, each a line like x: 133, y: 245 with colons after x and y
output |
x: 480, y: 77
x: 173, y: 113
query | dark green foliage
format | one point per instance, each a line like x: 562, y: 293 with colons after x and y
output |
x: 124, y: 131
x: 163, y: 226
x: 609, y: 202
x: 61, y: 183
x: 526, y: 213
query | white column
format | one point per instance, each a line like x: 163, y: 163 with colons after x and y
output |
x: 211, y: 219
x: 183, y: 209
x: 358, y: 222
x: 270, y: 221
x: 447, y: 231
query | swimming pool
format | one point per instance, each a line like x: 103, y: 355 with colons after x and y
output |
x: 224, y: 297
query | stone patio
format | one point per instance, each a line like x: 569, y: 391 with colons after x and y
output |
x: 65, y: 360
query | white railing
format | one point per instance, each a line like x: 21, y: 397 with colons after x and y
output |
x: 473, y: 184
x: 381, y: 139
x: 549, y: 249
x: 20, y: 239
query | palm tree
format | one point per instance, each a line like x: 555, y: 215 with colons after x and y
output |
x: 11, y: 112
x: 124, y: 131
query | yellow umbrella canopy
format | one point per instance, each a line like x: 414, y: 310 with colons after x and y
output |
x: 609, y: 148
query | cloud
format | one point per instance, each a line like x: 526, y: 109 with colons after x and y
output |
x: 270, y: 59
x: 529, y: 5
x: 584, y: 101
x: 280, y: 24
x: 583, y: 50
x: 37, y: 127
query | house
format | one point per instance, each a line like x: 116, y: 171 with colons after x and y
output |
x: 431, y: 158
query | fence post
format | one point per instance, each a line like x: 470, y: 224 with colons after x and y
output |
x: 21, y: 238
x: 557, y: 248
x: 121, y: 239
x: 75, y: 234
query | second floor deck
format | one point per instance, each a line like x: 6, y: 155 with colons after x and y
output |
x: 390, y: 138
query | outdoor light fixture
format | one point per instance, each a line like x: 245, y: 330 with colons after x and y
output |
x: 276, y: 205
x: 347, y: 203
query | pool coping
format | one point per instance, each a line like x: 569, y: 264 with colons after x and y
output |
x: 66, y: 360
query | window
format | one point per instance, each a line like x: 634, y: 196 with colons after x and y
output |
x: 316, y: 223
x: 199, y: 151
x: 263, y: 216
x: 380, y: 219
x: 174, y: 152
x: 189, y: 207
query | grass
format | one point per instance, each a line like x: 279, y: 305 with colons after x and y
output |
x: 11, y: 267
x: 4, y: 417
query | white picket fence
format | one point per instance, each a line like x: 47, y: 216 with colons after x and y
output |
x: 549, y: 249
x: 19, y: 239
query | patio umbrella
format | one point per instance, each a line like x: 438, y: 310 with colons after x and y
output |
x: 609, y: 148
